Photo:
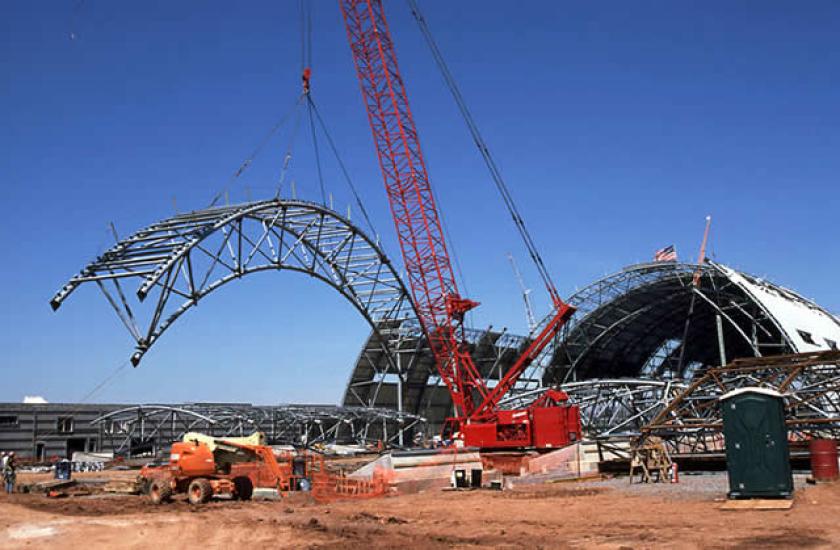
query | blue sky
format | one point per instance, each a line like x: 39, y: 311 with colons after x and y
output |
x: 618, y: 126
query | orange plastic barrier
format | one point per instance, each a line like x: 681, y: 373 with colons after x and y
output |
x: 329, y: 487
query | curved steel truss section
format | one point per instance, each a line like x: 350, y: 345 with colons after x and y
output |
x: 649, y: 320
x: 178, y: 261
x: 148, y: 429
x: 414, y: 384
x: 809, y: 382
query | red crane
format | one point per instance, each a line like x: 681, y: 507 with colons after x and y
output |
x: 440, y: 307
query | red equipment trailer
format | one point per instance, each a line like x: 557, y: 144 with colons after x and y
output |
x: 548, y: 423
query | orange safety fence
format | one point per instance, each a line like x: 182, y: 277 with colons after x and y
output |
x: 332, y: 486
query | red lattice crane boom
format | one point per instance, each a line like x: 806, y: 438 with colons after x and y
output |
x: 439, y: 305
x: 429, y: 269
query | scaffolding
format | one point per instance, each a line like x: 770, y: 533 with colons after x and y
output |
x: 691, y: 424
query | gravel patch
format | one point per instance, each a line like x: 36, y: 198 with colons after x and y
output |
x: 692, y: 486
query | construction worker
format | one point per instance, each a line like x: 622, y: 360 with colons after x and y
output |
x: 9, y: 474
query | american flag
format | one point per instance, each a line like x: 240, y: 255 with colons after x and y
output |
x: 667, y: 254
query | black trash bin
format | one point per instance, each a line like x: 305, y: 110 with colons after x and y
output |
x: 757, y: 455
x: 63, y: 469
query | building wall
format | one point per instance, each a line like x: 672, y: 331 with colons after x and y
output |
x: 47, y: 431
x: 50, y: 430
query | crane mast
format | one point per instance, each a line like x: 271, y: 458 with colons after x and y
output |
x: 440, y: 308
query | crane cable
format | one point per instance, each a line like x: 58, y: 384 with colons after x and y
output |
x: 306, y: 71
x: 317, y: 152
x: 257, y: 150
x: 341, y: 165
x: 83, y: 402
x: 485, y: 152
x: 305, y: 61
x: 287, y: 156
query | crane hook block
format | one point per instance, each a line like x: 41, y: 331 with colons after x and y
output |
x: 306, y: 78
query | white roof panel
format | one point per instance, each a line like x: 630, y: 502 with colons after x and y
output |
x: 799, y: 318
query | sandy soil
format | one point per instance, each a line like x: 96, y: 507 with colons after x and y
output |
x: 586, y: 515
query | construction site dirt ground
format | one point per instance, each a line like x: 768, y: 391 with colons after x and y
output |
x: 604, y: 514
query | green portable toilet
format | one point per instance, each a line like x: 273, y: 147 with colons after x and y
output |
x: 757, y: 455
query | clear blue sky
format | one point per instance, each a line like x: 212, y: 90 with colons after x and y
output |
x: 618, y: 125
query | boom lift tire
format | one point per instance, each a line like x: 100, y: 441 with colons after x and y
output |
x: 199, y: 491
x: 143, y: 485
x: 160, y: 491
x: 244, y: 489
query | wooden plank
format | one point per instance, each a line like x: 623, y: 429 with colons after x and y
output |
x: 122, y: 487
x: 54, y: 484
x: 758, y: 504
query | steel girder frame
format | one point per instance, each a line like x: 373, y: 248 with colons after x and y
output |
x: 147, y: 429
x: 809, y: 382
x: 178, y: 261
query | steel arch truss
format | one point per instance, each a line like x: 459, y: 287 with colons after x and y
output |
x: 178, y: 261
x: 632, y: 324
x: 148, y: 429
x: 809, y: 382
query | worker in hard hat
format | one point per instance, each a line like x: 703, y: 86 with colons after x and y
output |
x: 9, y: 473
